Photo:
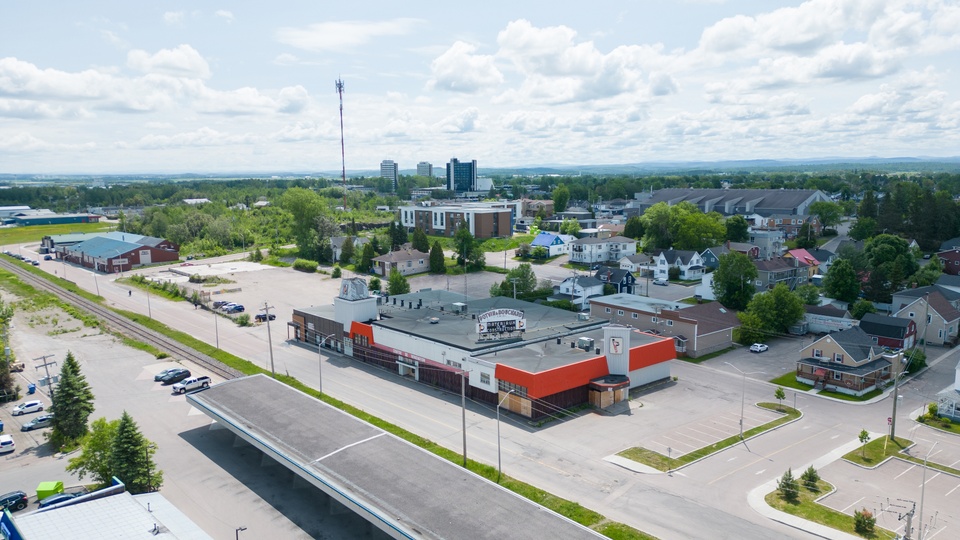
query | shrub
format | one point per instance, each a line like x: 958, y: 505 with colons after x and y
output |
x: 243, y: 319
x: 374, y: 284
x: 932, y: 410
x: 673, y: 273
x: 918, y: 360
x: 162, y: 355
x: 788, y: 487
x: 305, y: 265
x: 336, y: 272
x: 863, y: 521
x: 196, y: 278
x: 810, y: 478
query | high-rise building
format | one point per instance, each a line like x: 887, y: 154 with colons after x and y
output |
x: 390, y: 171
x: 425, y: 169
x: 461, y: 176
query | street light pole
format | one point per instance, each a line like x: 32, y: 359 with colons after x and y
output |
x: 238, y: 532
x: 499, y: 465
x: 266, y: 309
x: 923, y: 489
x: 320, y: 361
x: 216, y: 327
x: 463, y: 412
x: 743, y: 393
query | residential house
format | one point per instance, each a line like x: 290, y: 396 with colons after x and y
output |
x: 623, y: 280
x: 948, y: 401
x: 696, y: 329
x: 594, y: 250
x: 824, y: 257
x: 936, y: 318
x: 950, y: 261
x: 705, y: 289
x: 711, y: 256
x: 813, y: 265
x: 555, y: 244
x: 770, y: 241
x: 532, y: 207
x: 578, y: 290
x: 638, y: 264
x: 789, y: 224
x: 336, y: 243
x: 892, y: 332
x: 407, y: 261
x: 827, y: 318
x: 847, y: 362
x: 948, y: 282
x: 774, y: 271
x: 953, y: 243
x: 689, y: 262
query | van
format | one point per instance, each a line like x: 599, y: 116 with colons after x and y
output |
x: 7, y: 444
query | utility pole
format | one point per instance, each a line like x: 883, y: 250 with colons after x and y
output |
x: 46, y: 367
x: 514, y: 281
x: 896, y: 397
x: 343, y: 158
x: 926, y: 320
x: 463, y: 412
x: 266, y: 309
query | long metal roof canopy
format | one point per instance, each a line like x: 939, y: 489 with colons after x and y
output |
x: 403, y: 490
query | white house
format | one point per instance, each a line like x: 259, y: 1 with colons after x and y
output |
x: 594, y: 250
x: 705, y: 288
x: 578, y: 289
x: 690, y: 264
x: 638, y: 264
x: 948, y: 401
x: 556, y: 244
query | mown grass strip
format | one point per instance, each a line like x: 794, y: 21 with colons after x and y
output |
x: 569, y: 509
x: 876, y: 451
x: 789, y: 380
x: 847, y: 397
x: 807, y: 508
x: 664, y: 463
x: 706, y: 357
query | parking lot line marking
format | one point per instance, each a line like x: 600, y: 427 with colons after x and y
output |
x: 954, y: 463
x: 852, y: 504
x: 733, y: 458
x: 930, y: 480
x: 702, y: 433
x: 904, y: 472
x: 761, y: 471
x: 936, y: 533
x: 835, y: 436
x: 721, y: 431
x: 675, y: 441
x: 954, y: 489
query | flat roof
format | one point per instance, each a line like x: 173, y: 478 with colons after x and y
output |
x: 460, y: 329
x: 403, y: 489
x: 635, y: 302
x: 546, y: 355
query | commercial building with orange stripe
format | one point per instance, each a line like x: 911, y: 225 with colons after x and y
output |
x: 541, y: 359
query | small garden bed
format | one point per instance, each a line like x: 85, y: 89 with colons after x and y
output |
x: 807, y: 508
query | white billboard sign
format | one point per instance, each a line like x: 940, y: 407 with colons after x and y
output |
x: 501, y: 321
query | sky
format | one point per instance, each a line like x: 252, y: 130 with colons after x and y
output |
x: 117, y: 87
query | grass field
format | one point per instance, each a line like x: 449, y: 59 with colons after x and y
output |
x: 26, y: 235
x: 807, y: 509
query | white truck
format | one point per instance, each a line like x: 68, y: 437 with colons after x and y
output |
x: 191, y: 383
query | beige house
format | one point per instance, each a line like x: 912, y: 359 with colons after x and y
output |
x: 407, y: 261
x: 848, y: 362
x: 936, y: 318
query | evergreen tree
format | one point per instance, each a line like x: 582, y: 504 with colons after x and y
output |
x: 788, y: 487
x: 347, y: 251
x: 463, y: 242
x: 868, y: 206
x: 397, y: 283
x: 131, y: 458
x: 437, y: 265
x: 420, y: 241
x: 366, y: 258
x: 72, y: 403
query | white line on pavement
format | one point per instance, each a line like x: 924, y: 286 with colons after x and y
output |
x: 852, y: 504
x: 910, y: 468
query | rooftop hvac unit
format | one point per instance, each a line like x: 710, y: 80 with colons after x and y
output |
x: 459, y: 307
x: 583, y: 316
x: 585, y: 343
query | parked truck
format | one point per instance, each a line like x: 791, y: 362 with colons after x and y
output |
x: 191, y: 383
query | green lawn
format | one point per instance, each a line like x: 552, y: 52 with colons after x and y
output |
x: 706, y: 357
x: 943, y: 424
x: 807, y: 509
x: 847, y: 397
x: 24, y: 235
x: 661, y: 462
x: 789, y: 380
x: 874, y: 452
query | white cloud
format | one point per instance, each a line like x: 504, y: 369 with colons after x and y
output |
x: 204, y: 136
x: 460, y: 70
x: 460, y: 122
x: 173, y: 17
x: 293, y: 99
x: 21, y: 142
x: 183, y: 61
x: 225, y: 15
x: 343, y: 35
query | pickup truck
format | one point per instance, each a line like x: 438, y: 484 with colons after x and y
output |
x: 191, y: 383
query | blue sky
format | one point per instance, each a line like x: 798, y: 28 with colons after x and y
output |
x: 125, y: 87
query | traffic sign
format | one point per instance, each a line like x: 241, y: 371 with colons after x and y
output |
x: 889, y: 420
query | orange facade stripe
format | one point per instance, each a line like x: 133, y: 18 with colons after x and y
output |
x: 552, y: 381
x: 361, y: 329
x: 652, y: 353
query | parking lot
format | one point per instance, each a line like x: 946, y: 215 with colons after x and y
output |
x: 706, y: 431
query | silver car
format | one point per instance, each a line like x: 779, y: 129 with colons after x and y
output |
x: 39, y: 422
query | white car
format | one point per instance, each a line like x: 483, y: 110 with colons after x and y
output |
x: 28, y: 407
x: 7, y: 444
x: 758, y: 348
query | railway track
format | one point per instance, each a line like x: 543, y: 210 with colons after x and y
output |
x: 120, y: 324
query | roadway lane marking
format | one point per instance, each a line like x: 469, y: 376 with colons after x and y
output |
x: 761, y: 471
x: 954, y: 489
x: 835, y: 436
x: 930, y: 480
x: 904, y: 472
x: 852, y: 504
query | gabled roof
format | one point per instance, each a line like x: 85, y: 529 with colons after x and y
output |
x: 919, y: 292
x: 764, y: 198
x: 102, y: 247
x: 827, y: 310
x: 778, y: 265
x: 711, y: 317
x: 402, y: 256
x: 717, y: 250
x: 544, y: 239
x: 673, y: 255
x: 943, y: 307
x: 948, y: 280
x: 585, y: 281
x: 884, y: 326
x: 805, y: 256
x: 337, y: 241
x: 611, y: 240
x: 950, y: 244
x: 639, y: 258
x: 854, y: 341
x: 821, y: 255
x: 612, y: 275
x: 741, y: 246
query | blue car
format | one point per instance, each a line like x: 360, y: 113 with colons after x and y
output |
x: 236, y: 308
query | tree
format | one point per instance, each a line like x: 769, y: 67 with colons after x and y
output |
x: 398, y: 235
x: 841, y: 282
x: 864, y: 439
x: 420, y: 242
x: 780, y: 395
x: 397, y: 283
x: 810, y: 477
x: 561, y: 196
x: 738, y: 230
x: 868, y: 206
x: 777, y: 309
x: 806, y: 237
x: 374, y: 284
x: 570, y: 226
x: 829, y: 212
x: 305, y: 206
x: 72, y: 403
x: 788, y: 487
x: 526, y: 282
x: 733, y: 280
x: 540, y: 252
x: 94, y: 458
x: 808, y: 294
x: 463, y: 242
x: 366, y: 258
x: 927, y: 274
x: 751, y: 328
x: 864, y: 522
x: 347, y: 251
x: 437, y: 265
x: 697, y: 231
x: 861, y: 308
x: 889, y: 261
x: 865, y: 227
x: 633, y: 228
x: 131, y: 458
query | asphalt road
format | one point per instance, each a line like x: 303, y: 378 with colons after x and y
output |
x: 566, y: 457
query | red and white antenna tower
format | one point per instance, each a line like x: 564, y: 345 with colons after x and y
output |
x: 343, y: 158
